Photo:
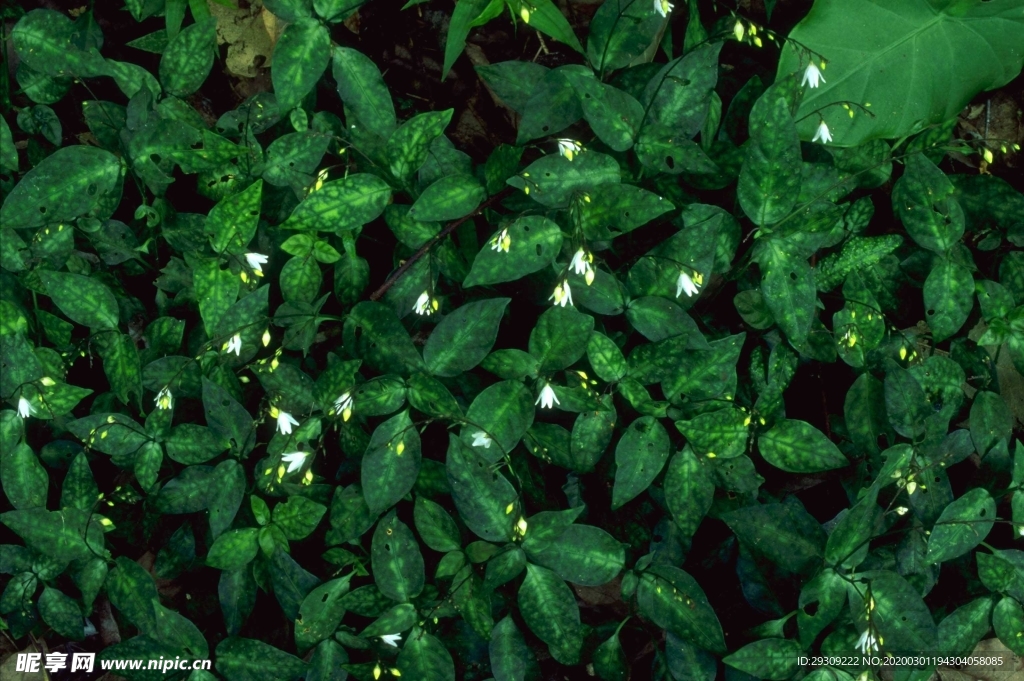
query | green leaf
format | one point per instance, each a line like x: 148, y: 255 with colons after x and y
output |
x: 848, y: 543
x: 504, y: 412
x: 948, y: 298
x: 679, y: 95
x: 821, y: 600
x: 923, y: 198
x: 466, y: 15
x: 798, y: 447
x: 875, y: 55
x: 605, y: 357
x: 231, y: 223
x: 391, y: 462
x: 300, y: 57
x: 485, y: 499
x: 553, y: 180
x: 621, y: 31
x: 639, y: 458
x: 721, y: 433
x: 905, y: 402
x: 190, y: 444
x: 83, y: 299
x: 132, y: 590
x: 301, y: 280
x: 298, y: 517
x: 425, y: 657
x: 373, y: 333
x: 673, y: 600
x: 449, y: 198
x: 614, y: 115
x: 429, y: 395
x: 24, y: 479
x: 581, y: 554
x: 121, y: 364
x: 226, y: 417
x: 216, y: 291
x: 510, y: 657
x: 548, y: 19
x: 234, y: 549
x: 769, y: 658
x: 784, y: 534
x: 341, y: 205
x: 689, y: 491
x: 362, y: 88
x: 534, y: 242
x: 245, y: 659
x: 900, y: 616
x: 963, y: 525
x: 62, y: 613
x: 789, y: 291
x: 706, y: 374
x: 320, y: 613
x: 436, y: 527
x: 79, y: 489
x: 292, y: 159
x: 961, y: 630
x: 397, y: 561
x: 991, y: 421
x: 560, y: 337
x: 187, y: 61
x: 464, y: 337
x: 409, y: 145
x: 858, y: 253
x: 591, y: 435
x: 1008, y: 622
x: 549, y: 609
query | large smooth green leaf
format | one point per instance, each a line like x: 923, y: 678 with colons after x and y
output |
x: 72, y: 182
x: 533, y: 242
x: 396, y: 560
x: 549, y: 609
x: 464, y: 337
x: 300, y: 57
x: 321, y: 612
x: 83, y: 299
x: 798, y: 447
x: 362, y: 88
x: 391, y: 462
x: 963, y: 525
x: 882, y: 54
x: 673, y: 600
x: 639, y: 458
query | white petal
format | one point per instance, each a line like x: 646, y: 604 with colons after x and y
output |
x: 24, y: 408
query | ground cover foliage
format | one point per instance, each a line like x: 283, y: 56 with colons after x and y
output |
x: 705, y: 362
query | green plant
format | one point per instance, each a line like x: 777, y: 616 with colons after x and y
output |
x: 526, y: 399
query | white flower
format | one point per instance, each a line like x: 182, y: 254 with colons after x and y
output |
x: 295, y: 460
x: 902, y: 510
x: 256, y: 261
x: 343, y: 406
x: 812, y: 75
x: 562, y: 294
x: 24, y: 408
x: 164, y: 399
x: 391, y: 639
x: 234, y: 345
x: 547, y: 398
x: 688, y: 284
x: 822, y: 134
x: 285, y: 421
x: 569, y: 148
x: 481, y: 439
x: 867, y: 642
x: 501, y: 242
x: 663, y: 7
x: 425, y: 305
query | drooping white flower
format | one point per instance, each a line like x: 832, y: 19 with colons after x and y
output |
x: 687, y: 283
x: 867, y: 643
x: 569, y: 148
x: 812, y: 74
x: 391, y: 639
x: 285, y: 421
x: 481, y: 439
x: 562, y: 294
x: 425, y: 305
x: 294, y: 460
x: 547, y: 398
x: 234, y: 345
x: 501, y: 241
x: 164, y: 399
x: 256, y: 261
x: 24, y: 408
x: 822, y: 134
x: 343, y: 406
x: 579, y: 263
x: 663, y: 7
